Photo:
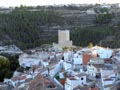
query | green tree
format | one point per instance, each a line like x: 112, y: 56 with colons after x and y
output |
x: 103, y: 18
x: 90, y: 45
x: 4, y: 68
x: 82, y: 36
x: 4, y: 63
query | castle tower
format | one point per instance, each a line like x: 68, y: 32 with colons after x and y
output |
x: 64, y: 38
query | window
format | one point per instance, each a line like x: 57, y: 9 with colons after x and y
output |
x: 81, y: 78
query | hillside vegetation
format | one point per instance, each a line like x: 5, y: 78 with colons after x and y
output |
x: 29, y: 27
x: 83, y: 36
x: 24, y: 27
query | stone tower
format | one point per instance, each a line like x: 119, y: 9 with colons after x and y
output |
x: 64, y: 38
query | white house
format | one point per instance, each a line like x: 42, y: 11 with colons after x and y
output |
x: 77, y: 62
x: 57, y: 68
x: 108, y: 77
x: 97, y: 60
x: 36, y: 58
x: 67, y: 65
x: 28, y: 61
x: 102, y: 52
x: 73, y: 81
x: 117, y: 55
x: 67, y: 55
x: 94, y: 69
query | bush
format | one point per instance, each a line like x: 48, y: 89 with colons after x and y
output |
x: 57, y: 77
x: 4, y: 63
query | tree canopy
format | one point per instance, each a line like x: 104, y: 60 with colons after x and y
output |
x: 104, y: 18
x: 4, y: 62
x: 83, y: 36
x: 24, y: 27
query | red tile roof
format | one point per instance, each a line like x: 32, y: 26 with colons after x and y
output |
x: 86, y: 58
x: 85, y: 88
x: 23, y: 77
x: 81, y: 74
x: 72, y: 78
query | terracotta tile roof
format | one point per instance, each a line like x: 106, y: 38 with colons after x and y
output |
x: 99, y: 65
x: 107, y: 60
x: 81, y: 74
x: 85, y: 88
x: 108, y: 79
x: 39, y: 76
x: 32, y: 83
x: 46, y: 81
x: 110, y: 85
x: 86, y: 58
x: 72, y: 78
x: 23, y: 77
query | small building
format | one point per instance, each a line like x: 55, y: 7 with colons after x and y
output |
x: 56, y: 69
x: 67, y: 65
x: 97, y: 60
x: 108, y: 77
x: 68, y: 55
x: 77, y: 62
x: 73, y: 81
x: 63, y: 40
x: 102, y: 52
x: 94, y: 69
